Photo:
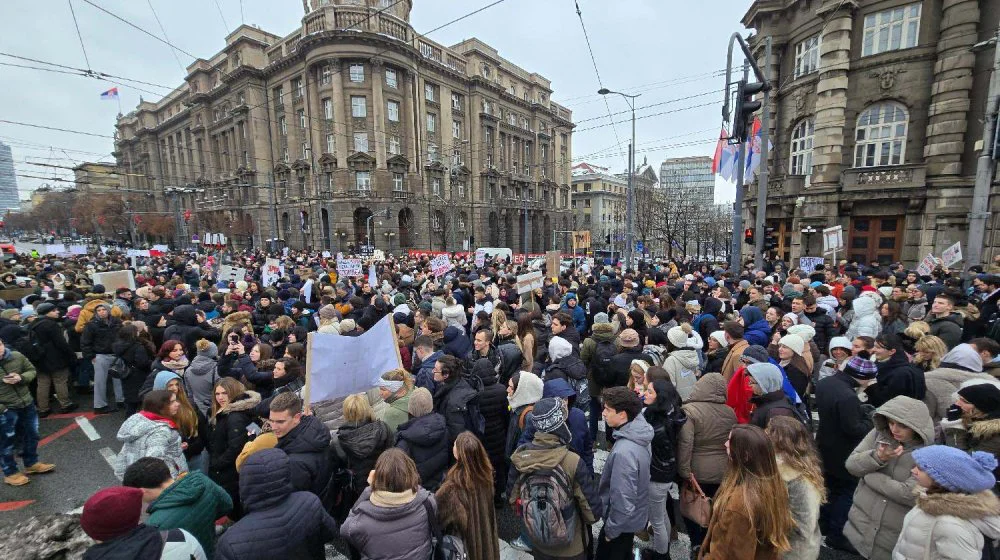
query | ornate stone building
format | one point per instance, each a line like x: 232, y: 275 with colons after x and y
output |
x: 355, y: 129
x: 876, y: 122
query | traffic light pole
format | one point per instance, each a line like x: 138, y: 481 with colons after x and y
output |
x: 736, y: 256
x: 762, y: 182
x: 985, y: 167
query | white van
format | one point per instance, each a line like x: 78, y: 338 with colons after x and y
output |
x: 502, y: 252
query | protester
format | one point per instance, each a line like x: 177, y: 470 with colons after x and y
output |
x: 137, y: 354
x: 466, y: 499
x: 663, y: 412
x: 152, y: 432
x: 395, y: 387
x: 421, y: 439
x: 191, y: 423
x: 305, y: 440
x: 228, y: 425
x: 799, y: 466
x: 96, y: 340
x: 18, y: 419
x: 56, y: 360
x: 455, y: 396
x: 973, y: 422
x: 359, y: 441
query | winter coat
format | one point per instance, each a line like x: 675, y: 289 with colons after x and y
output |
x: 546, y: 451
x: 98, y: 336
x: 510, y: 359
x: 896, y: 376
x: 145, y: 542
x: 529, y: 391
x: 621, y: 365
x: 188, y: 330
x: 824, y: 325
x: 603, y: 333
x: 454, y: 316
x: 493, y: 406
x: 682, y: 365
x: 885, y: 490
x: 19, y: 394
x: 421, y: 439
x: 580, y: 441
x: 199, y: 380
x: 306, y: 446
x: 361, y: 445
x: 948, y: 328
x: 237, y: 366
x: 424, y: 376
x: 226, y: 437
x: 866, y: 321
x: 138, y: 357
x: 57, y: 355
x: 732, y: 361
x: 192, y: 503
x: 624, y: 487
x: 759, y: 333
x: 456, y: 343
x: 579, y: 318
x: 400, y: 532
x: 980, y: 435
x: 948, y: 526
x: 942, y: 383
x: 469, y: 514
x: 396, y: 412
x: 915, y: 309
x: 768, y: 406
x: 714, y: 360
x: 701, y: 449
x: 279, y: 522
x: 842, y: 424
x: 286, y: 384
x: 666, y: 432
x: 730, y: 535
x: 451, y: 400
x: 570, y: 368
x: 145, y: 437
x: 804, y: 503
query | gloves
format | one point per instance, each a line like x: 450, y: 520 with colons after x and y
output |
x: 954, y: 412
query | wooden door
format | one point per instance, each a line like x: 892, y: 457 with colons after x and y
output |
x: 876, y: 238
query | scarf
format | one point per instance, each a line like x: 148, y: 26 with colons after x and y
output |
x: 384, y: 498
x: 157, y: 418
x: 176, y: 366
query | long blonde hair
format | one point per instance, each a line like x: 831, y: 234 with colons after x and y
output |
x: 753, y: 478
x: 187, y: 417
x: 935, y: 347
x: 794, y: 447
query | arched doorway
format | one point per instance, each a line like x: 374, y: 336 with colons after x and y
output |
x: 493, y: 230
x: 361, y: 216
x: 405, y: 228
x: 324, y: 218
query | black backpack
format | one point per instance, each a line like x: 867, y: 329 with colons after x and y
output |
x: 30, y: 345
x: 600, y: 364
x: 339, y: 495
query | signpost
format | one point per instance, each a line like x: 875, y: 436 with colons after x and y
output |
x: 833, y: 241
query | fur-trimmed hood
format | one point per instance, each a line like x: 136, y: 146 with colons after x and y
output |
x: 249, y: 400
x: 985, y: 429
x: 964, y: 506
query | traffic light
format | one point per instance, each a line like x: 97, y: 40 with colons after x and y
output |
x: 745, y: 108
x: 748, y: 236
x: 770, y: 240
x: 607, y: 238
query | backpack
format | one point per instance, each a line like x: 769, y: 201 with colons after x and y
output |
x: 30, y: 346
x: 338, y: 497
x: 474, y: 421
x: 600, y: 365
x: 443, y: 547
x: 545, y: 507
x: 522, y: 418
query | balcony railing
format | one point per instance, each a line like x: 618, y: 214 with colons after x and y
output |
x: 885, y: 177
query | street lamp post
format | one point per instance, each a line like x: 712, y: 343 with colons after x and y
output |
x: 630, y: 205
x: 808, y: 231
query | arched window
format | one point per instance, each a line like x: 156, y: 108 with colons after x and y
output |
x: 881, y: 135
x: 800, y: 151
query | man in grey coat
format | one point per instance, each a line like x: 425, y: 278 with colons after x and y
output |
x: 624, y: 488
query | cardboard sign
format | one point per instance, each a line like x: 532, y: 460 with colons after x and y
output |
x: 552, y: 263
x: 114, y: 280
x: 15, y: 294
x: 529, y: 281
x: 926, y: 265
x: 231, y: 273
x: 441, y: 265
x: 808, y: 264
x: 349, y: 267
x: 581, y: 239
x: 480, y: 258
x: 952, y: 254
x: 273, y: 270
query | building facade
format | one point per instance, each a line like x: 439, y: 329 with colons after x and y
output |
x: 9, y: 198
x: 355, y: 130
x: 97, y: 177
x: 598, y: 203
x: 690, y: 178
x: 875, y: 123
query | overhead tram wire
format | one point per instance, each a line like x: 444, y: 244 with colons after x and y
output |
x: 134, y: 26
x: 84, y: 71
x: 31, y: 125
x: 600, y: 82
x: 164, y: 31
x: 224, y: 24
x: 78, y: 34
x: 82, y: 75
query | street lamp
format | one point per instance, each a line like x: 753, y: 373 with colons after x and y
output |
x: 630, y: 209
x: 808, y: 231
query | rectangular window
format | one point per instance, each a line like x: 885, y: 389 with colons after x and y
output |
x: 304, y: 150
x: 283, y: 126
x: 330, y: 143
x: 329, y: 181
x: 363, y: 180
x: 807, y: 56
x: 246, y: 158
x: 397, y: 182
x: 241, y: 98
x: 892, y: 29
x: 460, y: 188
x: 357, y: 73
x: 431, y: 122
x: 432, y: 153
x: 394, y: 146
x: 436, y: 186
x: 429, y: 92
x: 393, y: 111
x: 279, y: 95
x: 360, y: 141
x: 302, y: 118
x: 284, y: 155
x: 299, y: 89
x: 326, y: 75
x: 456, y: 129
x: 456, y: 101
x: 390, y: 78
x: 328, y: 109
x: 359, y: 107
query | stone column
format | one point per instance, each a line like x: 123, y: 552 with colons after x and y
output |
x: 410, y: 127
x: 381, y: 142
x: 949, y: 103
x: 341, y: 114
x: 831, y: 93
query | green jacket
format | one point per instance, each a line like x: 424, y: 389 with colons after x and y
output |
x: 19, y: 394
x: 396, y: 413
x: 192, y: 503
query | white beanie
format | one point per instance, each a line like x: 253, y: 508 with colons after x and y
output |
x: 840, y: 342
x: 678, y: 336
x: 720, y: 337
x: 559, y: 347
x: 794, y: 342
x: 807, y: 332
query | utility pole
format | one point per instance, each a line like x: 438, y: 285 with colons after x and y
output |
x: 986, y: 164
x: 762, y: 181
x: 735, y: 258
x: 630, y: 203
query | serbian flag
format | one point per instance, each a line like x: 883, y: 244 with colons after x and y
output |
x: 753, y: 152
x: 717, y: 159
x: 110, y: 94
x: 724, y: 162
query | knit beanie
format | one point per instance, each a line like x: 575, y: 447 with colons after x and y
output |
x: 791, y: 317
x: 162, y: 378
x: 601, y: 318
x: 984, y: 396
x: 678, y: 337
x: 207, y: 348
x: 398, y: 299
x: 807, y: 332
x: 860, y: 368
x: 767, y: 375
x: 549, y: 417
x: 111, y: 512
x: 9, y: 313
x: 755, y: 354
x: 720, y: 337
x: 793, y: 342
x: 956, y: 470
x: 421, y: 403
x: 328, y: 312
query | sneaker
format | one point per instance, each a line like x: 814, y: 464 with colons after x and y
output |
x: 16, y: 479
x: 105, y: 410
x: 519, y: 544
x: 44, y: 413
x: 69, y: 408
x: 39, y: 468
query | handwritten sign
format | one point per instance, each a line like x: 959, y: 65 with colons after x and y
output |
x: 349, y: 267
x: 441, y: 265
x: 926, y: 265
x: 273, y: 270
x: 231, y: 273
x: 529, y: 281
x: 809, y: 264
x: 952, y: 254
x: 480, y: 258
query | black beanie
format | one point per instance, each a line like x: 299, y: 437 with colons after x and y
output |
x: 984, y: 396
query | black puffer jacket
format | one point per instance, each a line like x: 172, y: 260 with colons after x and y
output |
x: 452, y: 399
x: 98, y: 336
x: 511, y: 359
x: 666, y: 428
x: 896, y: 377
x: 138, y: 357
x: 306, y: 446
x: 621, y: 364
x: 493, y: 405
x: 226, y: 437
x: 768, y: 406
x: 569, y: 368
x: 362, y: 444
x: 842, y: 424
x: 188, y: 330
x: 279, y: 522
x: 421, y: 439
x: 456, y: 343
x: 57, y: 353
x: 237, y: 366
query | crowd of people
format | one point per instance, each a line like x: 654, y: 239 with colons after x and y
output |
x: 767, y: 413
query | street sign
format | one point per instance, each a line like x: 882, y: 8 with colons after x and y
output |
x: 639, y: 247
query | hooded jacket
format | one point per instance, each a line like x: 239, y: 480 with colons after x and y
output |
x: 866, y: 321
x: 145, y: 543
x: 227, y: 436
x: 529, y: 391
x: 400, y: 532
x: 143, y: 437
x: 456, y: 343
x: 279, y: 522
x: 600, y: 333
x: 200, y: 378
x: 17, y: 395
x: 395, y: 412
x: 948, y: 328
x: 188, y: 330
x: 624, y: 487
x: 896, y: 376
x: 98, y: 336
x: 454, y: 316
x: 192, y: 503
x: 885, y: 489
x: 756, y: 329
x: 452, y: 399
x: 959, y: 365
x: 948, y: 525
x: 361, y: 445
x: 424, y: 377
x: 842, y: 423
x: 682, y: 365
x: 421, y: 439
x: 701, y: 450
x: 57, y: 353
x: 306, y: 446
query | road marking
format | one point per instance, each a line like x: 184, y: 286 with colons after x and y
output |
x: 14, y: 506
x: 88, y: 428
x: 110, y: 457
x: 58, y: 434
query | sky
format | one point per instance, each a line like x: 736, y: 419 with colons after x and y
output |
x: 673, y: 58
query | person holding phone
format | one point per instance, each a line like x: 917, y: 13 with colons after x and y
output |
x: 18, y: 416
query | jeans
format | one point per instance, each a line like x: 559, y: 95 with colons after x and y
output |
x: 659, y: 498
x: 618, y: 548
x: 101, y: 364
x: 833, y: 514
x: 21, y: 422
x: 198, y: 463
x: 45, y: 383
x: 84, y: 372
x: 596, y: 408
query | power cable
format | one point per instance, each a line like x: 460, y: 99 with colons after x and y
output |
x: 134, y: 26
x: 164, y: 31
x: 86, y: 71
x: 224, y: 24
x: 78, y: 34
x: 30, y: 125
x: 600, y: 82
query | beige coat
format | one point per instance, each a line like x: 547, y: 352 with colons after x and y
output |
x: 804, y: 502
x: 948, y: 526
x: 702, y: 446
x: 941, y: 386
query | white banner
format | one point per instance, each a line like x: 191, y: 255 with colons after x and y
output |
x: 114, y: 280
x: 808, y: 264
x: 26, y: 248
x: 926, y: 265
x: 136, y: 252
x: 529, y: 281
x: 273, y: 270
x: 480, y: 258
x: 78, y: 249
x: 952, y: 254
x: 338, y: 366
x: 231, y: 273
x: 349, y: 267
x: 440, y: 265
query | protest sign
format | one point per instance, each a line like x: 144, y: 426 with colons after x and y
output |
x: 552, y: 259
x: 480, y: 258
x: 808, y: 264
x: 26, y: 248
x: 952, y: 254
x: 529, y: 281
x: 926, y: 265
x: 372, y: 277
x: 12, y: 295
x: 440, y: 265
x: 378, y: 255
x: 349, y: 267
x: 337, y: 366
x: 273, y: 270
x: 114, y: 280
x: 78, y: 249
x: 231, y: 273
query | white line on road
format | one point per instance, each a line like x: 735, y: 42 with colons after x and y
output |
x: 88, y: 428
x: 110, y: 457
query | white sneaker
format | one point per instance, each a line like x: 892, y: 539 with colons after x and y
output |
x: 519, y: 544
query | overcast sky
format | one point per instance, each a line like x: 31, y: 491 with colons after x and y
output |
x: 641, y: 46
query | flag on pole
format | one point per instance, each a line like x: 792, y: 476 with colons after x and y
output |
x: 753, y: 152
x: 717, y: 159
x: 110, y: 94
x: 724, y: 162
